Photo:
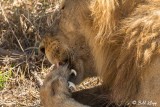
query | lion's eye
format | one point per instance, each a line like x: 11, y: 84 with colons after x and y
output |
x: 57, y: 51
x: 62, y: 4
x: 63, y: 7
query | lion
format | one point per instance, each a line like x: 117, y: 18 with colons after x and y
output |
x: 62, y: 50
x: 56, y: 89
x: 123, y: 37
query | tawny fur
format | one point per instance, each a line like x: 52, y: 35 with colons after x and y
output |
x: 126, y: 46
x: 124, y: 38
x: 55, y: 90
x: 73, y: 49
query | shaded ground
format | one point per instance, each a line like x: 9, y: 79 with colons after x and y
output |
x: 22, y: 67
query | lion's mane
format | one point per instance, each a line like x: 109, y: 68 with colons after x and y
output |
x: 127, y: 40
x: 124, y: 37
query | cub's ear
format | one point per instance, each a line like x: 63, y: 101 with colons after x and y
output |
x: 58, y: 86
x: 54, y: 87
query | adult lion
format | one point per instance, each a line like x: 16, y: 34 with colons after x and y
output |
x: 124, y: 38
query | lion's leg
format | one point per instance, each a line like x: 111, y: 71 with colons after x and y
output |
x: 87, y: 96
x: 93, y: 97
x: 150, y: 86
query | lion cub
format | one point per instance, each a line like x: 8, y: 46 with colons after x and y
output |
x: 55, y: 90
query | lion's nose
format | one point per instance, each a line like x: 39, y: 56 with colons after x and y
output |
x: 42, y: 49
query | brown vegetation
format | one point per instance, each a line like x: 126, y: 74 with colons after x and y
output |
x: 21, y: 24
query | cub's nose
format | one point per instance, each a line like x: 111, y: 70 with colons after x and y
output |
x: 42, y: 48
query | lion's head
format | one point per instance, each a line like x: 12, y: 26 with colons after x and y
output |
x: 82, y: 25
x: 117, y: 33
x: 67, y: 45
x: 74, y: 52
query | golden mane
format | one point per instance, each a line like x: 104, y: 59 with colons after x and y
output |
x: 121, y: 56
x: 107, y: 14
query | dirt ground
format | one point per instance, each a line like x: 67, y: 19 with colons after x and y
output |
x: 22, y: 66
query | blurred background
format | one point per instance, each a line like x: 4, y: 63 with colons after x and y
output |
x: 22, y: 24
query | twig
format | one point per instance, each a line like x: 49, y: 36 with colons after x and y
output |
x: 4, y: 52
x: 30, y: 48
x: 37, y: 78
x: 42, y: 66
x: 6, y: 19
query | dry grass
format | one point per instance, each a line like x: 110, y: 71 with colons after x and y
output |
x: 22, y: 22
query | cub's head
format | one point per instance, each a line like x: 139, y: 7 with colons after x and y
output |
x: 55, y: 87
